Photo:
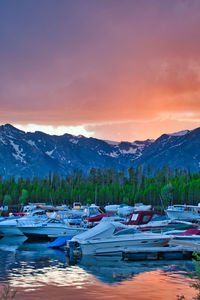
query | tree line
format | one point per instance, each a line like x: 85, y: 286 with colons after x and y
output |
x: 106, y: 186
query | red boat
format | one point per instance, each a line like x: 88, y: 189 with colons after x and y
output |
x: 98, y: 217
x: 142, y: 217
x: 19, y: 214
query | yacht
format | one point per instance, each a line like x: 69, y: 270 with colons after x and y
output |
x: 150, y: 220
x: 112, y: 238
x: 184, y: 212
x: 9, y: 226
x: 190, y: 235
x: 112, y: 208
x: 52, y: 227
x: 125, y: 210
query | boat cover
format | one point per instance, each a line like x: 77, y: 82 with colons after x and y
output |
x: 104, y: 229
x: 190, y: 232
x: 98, y: 217
x: 60, y: 241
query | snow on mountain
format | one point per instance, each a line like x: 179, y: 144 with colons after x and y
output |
x: 50, y: 152
x: 19, y: 155
x: 180, y: 133
x: 179, y: 150
x: 32, y: 143
x: 35, y: 154
x: 113, y: 143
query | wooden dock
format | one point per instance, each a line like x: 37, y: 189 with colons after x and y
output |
x: 158, y: 253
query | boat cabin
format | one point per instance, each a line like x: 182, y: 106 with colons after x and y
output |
x: 77, y: 205
x: 142, y: 217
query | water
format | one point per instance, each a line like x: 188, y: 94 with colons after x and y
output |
x: 37, y: 272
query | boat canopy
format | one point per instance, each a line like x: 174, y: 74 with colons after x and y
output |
x: 104, y: 229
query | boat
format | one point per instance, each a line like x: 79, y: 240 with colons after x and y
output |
x: 125, y: 210
x: 141, y: 206
x: 52, y: 227
x: 9, y: 226
x: 190, y: 235
x: 112, y: 208
x: 99, y: 217
x: 112, y: 238
x: 150, y: 220
x: 84, y: 211
x: 184, y: 212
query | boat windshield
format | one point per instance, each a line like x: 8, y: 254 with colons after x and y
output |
x: 159, y: 218
x: 93, y: 211
x: 54, y: 221
x: 126, y: 231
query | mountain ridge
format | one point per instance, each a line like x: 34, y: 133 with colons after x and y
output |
x: 30, y: 154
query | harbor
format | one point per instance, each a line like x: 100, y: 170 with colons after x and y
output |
x: 106, y: 252
x: 93, y: 249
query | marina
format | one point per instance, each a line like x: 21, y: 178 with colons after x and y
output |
x: 87, y: 252
x: 91, y: 249
x: 85, y: 248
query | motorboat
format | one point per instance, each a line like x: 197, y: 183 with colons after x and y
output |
x: 84, y: 211
x: 112, y: 238
x: 112, y: 208
x: 141, y: 206
x: 184, y: 212
x: 150, y: 220
x: 9, y: 226
x: 99, y: 217
x: 125, y: 210
x: 190, y: 235
x: 52, y: 227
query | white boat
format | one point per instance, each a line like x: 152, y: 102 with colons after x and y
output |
x: 141, y: 207
x: 125, y: 210
x: 190, y: 235
x: 51, y: 227
x: 184, y: 212
x: 113, y: 238
x: 9, y: 226
x: 84, y: 211
x: 112, y: 208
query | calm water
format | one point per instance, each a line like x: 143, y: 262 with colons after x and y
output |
x: 37, y: 272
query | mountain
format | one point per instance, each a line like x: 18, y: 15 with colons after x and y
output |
x: 34, y: 154
x: 178, y: 150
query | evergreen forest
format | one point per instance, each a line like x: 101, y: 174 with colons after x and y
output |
x: 145, y: 184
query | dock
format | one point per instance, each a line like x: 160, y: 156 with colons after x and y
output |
x: 176, y: 252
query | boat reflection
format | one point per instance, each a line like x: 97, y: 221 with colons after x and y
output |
x: 114, y: 270
x: 34, y: 266
x: 11, y: 243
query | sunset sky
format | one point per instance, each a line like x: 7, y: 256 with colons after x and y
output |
x: 111, y: 69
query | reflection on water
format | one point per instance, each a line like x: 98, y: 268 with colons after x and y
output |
x: 36, y: 270
x: 115, y: 270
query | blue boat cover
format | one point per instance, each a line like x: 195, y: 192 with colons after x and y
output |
x: 60, y: 241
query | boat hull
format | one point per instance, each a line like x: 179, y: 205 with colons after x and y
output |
x: 41, y: 231
x: 114, y: 246
x: 183, y: 215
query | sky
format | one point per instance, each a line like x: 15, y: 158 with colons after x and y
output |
x: 111, y: 69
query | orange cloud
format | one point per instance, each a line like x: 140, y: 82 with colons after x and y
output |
x: 104, y: 63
